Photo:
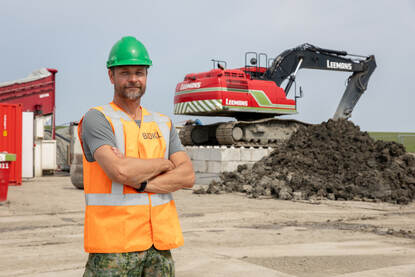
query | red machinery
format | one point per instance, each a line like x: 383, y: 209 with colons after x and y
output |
x: 230, y: 92
x: 36, y: 93
x: 253, y: 95
x: 11, y: 139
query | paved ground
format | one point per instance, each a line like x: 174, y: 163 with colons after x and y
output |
x: 41, y: 228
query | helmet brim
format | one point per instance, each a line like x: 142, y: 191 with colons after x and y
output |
x: 130, y: 62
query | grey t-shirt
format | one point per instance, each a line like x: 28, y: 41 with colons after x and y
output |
x: 97, y: 131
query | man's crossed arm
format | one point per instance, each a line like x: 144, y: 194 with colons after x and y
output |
x: 163, y: 175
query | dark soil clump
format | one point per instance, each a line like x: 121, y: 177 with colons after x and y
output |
x: 333, y: 160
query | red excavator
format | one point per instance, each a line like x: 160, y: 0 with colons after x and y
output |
x: 254, y: 96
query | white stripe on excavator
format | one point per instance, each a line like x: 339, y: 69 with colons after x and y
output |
x: 197, y: 106
x: 205, y: 106
x: 201, y: 106
x: 208, y: 104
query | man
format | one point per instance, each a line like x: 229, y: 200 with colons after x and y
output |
x: 133, y: 160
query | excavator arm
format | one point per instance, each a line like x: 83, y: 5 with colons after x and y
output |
x: 287, y: 64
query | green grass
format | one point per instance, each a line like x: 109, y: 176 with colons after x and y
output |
x: 407, y: 139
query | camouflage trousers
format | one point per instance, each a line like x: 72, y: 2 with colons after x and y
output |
x: 148, y: 263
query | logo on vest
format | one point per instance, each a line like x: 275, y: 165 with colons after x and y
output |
x: 154, y: 135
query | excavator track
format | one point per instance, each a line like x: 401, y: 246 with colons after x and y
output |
x: 224, y: 134
x: 268, y: 132
x: 186, y: 135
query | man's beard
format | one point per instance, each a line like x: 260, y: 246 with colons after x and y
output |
x: 129, y: 93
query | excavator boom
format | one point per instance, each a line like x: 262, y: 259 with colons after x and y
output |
x: 286, y: 65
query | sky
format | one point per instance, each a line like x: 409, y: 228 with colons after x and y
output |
x: 75, y: 37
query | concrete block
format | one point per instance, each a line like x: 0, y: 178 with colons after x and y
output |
x: 216, y: 159
x: 245, y: 154
x: 231, y: 154
x: 206, y: 178
x: 197, y: 154
x: 201, y: 153
x: 214, y: 166
x: 224, y: 154
x: 189, y: 151
x: 258, y: 154
x: 214, y: 154
x: 250, y: 164
x: 200, y: 166
x: 230, y: 165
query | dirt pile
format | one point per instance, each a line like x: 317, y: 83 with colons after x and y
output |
x: 332, y: 160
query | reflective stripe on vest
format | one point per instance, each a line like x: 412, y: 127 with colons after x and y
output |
x: 117, y: 197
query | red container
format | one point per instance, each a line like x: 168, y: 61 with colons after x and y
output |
x: 11, y: 138
x: 4, y: 180
x: 36, y: 93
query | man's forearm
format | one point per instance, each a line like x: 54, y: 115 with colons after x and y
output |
x: 181, y: 177
x: 133, y: 171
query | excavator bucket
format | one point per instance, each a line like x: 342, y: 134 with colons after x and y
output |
x: 356, y: 86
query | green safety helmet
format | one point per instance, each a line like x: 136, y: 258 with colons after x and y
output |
x: 128, y: 51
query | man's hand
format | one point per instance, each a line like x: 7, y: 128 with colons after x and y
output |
x: 182, y: 176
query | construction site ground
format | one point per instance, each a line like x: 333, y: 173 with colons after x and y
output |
x: 41, y: 234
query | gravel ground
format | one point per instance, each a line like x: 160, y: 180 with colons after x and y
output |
x: 41, y: 229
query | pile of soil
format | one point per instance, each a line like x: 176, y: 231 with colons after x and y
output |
x: 333, y: 160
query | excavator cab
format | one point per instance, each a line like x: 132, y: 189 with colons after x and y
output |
x: 255, y: 64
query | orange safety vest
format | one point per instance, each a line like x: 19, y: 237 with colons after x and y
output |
x: 118, y: 219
